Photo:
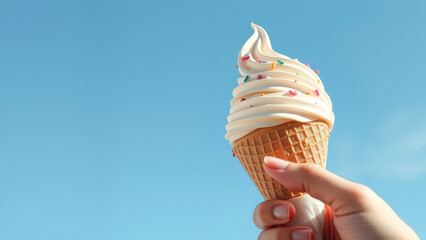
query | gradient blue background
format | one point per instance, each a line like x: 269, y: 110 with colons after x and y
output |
x: 113, y: 113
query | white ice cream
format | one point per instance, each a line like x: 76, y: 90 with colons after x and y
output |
x: 274, y: 89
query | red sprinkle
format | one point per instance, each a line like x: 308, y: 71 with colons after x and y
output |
x: 317, y: 92
x: 294, y: 93
x: 237, y: 65
x: 259, y: 60
x: 307, y: 65
x: 245, y: 58
x: 316, y: 71
x: 251, y: 105
x: 243, y: 99
x: 259, y: 76
x: 233, y: 153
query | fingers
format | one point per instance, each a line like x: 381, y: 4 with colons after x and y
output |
x: 273, y: 213
x: 342, y: 195
x: 287, y: 233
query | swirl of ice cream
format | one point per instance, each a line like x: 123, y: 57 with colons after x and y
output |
x: 274, y: 89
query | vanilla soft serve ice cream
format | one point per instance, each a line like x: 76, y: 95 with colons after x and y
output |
x: 274, y: 89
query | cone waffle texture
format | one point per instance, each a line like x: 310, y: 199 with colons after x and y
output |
x: 294, y: 141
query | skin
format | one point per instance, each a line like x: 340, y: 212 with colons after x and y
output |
x: 353, y: 211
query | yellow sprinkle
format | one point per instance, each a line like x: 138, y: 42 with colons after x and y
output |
x: 272, y: 66
x: 263, y: 94
x: 328, y: 136
x: 318, y: 81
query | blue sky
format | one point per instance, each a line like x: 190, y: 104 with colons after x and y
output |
x: 113, y: 113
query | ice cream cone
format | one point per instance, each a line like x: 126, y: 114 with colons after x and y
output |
x: 293, y: 141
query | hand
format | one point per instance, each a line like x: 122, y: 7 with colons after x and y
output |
x: 358, y: 212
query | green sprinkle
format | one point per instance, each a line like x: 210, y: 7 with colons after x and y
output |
x: 245, y: 79
x: 297, y: 74
x: 281, y: 62
x: 264, y: 61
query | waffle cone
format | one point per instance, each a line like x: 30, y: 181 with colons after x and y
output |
x: 294, y: 141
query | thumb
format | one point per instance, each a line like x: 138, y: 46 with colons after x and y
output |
x: 343, y: 196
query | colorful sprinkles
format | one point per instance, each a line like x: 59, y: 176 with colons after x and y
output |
x: 317, y: 92
x: 294, y: 93
x: 315, y: 71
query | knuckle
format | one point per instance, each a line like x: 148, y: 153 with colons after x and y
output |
x: 260, y: 223
x: 258, y: 217
x: 263, y: 236
x: 361, y: 191
x: 361, y: 194
x: 274, y: 234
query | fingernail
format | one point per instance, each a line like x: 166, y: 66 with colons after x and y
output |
x: 281, y: 212
x: 302, y: 234
x: 275, y: 163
